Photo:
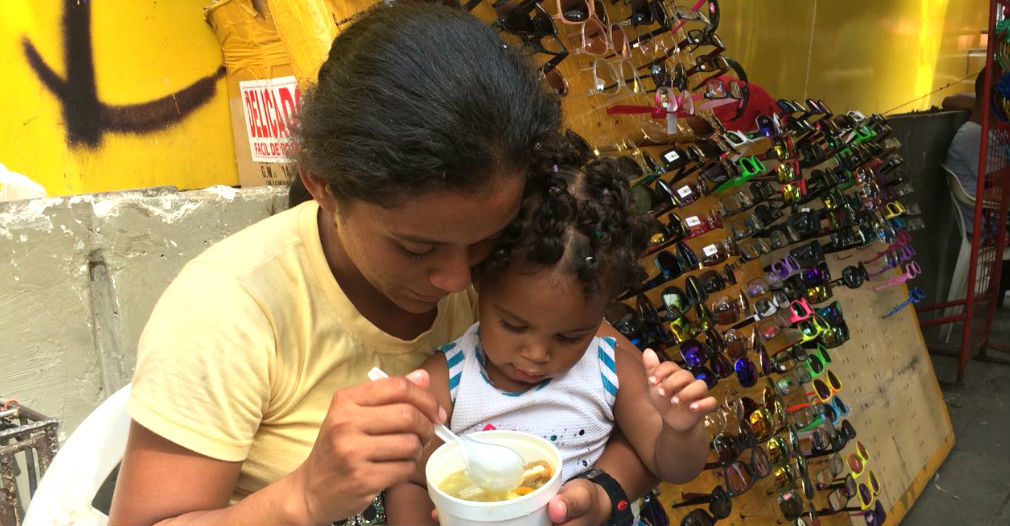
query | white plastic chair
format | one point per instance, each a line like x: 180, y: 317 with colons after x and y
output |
x: 959, y: 279
x: 81, y: 466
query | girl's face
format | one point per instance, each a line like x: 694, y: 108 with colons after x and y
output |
x: 535, y: 325
x: 421, y: 250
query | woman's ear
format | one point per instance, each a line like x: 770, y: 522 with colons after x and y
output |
x: 319, y: 189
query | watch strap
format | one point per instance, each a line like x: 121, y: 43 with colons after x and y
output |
x: 620, y: 512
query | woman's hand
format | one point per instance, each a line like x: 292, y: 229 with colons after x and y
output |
x: 680, y: 399
x: 370, y: 439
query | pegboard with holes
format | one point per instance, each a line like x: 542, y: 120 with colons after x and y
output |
x: 888, y: 383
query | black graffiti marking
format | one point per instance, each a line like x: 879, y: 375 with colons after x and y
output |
x: 88, y: 118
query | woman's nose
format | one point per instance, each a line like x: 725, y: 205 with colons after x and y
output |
x: 453, y: 273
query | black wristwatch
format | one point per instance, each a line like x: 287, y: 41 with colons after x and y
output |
x: 620, y: 511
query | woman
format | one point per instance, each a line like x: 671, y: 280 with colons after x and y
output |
x: 250, y: 402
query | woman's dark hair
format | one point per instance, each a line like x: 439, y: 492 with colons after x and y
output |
x: 578, y: 213
x: 417, y: 97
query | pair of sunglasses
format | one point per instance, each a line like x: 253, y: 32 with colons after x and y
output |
x: 746, y: 372
x: 756, y: 222
x: 664, y: 234
x: 713, y: 281
x: 853, y: 277
x: 895, y: 258
x: 671, y: 264
x: 677, y: 302
x: 691, y: 324
x: 591, y: 19
x: 827, y: 387
x: 719, y: 507
x: 739, y: 476
x: 912, y: 270
x: 538, y: 33
x: 703, y: 11
x: 796, y: 355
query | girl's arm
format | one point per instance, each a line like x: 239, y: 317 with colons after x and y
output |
x: 408, y: 502
x: 660, y: 407
x: 620, y: 458
x: 583, y: 502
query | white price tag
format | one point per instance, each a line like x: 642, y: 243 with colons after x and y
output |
x: 692, y: 221
x: 684, y: 191
x: 671, y: 122
x: 710, y: 250
x: 671, y: 156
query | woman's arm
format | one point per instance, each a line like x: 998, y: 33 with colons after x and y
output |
x: 159, y: 482
x: 369, y: 440
x: 408, y: 502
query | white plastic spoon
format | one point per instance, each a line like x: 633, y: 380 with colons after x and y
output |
x: 492, y: 467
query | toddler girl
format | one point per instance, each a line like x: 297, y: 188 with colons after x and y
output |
x: 536, y: 361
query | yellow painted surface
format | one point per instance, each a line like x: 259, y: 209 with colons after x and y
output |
x: 866, y: 54
x: 857, y: 54
x: 143, y: 50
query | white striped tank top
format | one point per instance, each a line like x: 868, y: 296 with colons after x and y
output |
x: 574, y: 411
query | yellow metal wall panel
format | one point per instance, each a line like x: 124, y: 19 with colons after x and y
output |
x: 858, y: 54
x: 144, y: 105
x: 770, y: 39
x: 961, y: 36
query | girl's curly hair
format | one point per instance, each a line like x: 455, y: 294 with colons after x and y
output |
x: 577, y: 212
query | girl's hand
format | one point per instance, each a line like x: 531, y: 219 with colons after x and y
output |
x: 680, y: 399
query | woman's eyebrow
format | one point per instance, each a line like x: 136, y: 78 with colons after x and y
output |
x: 423, y: 240
x: 417, y: 239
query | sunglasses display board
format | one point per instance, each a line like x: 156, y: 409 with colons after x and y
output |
x: 781, y: 269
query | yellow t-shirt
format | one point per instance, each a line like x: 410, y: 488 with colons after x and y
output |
x: 246, y: 347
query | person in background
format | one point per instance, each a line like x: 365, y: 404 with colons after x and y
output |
x: 962, y: 154
x: 250, y: 403
x: 963, y: 160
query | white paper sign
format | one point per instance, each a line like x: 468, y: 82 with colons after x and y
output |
x: 692, y: 221
x: 684, y: 191
x: 269, y: 107
x: 710, y: 250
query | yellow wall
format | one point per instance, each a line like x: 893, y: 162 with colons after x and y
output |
x: 870, y: 55
x: 143, y: 51
x: 867, y: 54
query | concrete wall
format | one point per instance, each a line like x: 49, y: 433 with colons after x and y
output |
x: 79, y: 278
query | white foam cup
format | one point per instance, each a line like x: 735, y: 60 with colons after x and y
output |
x: 526, y: 510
